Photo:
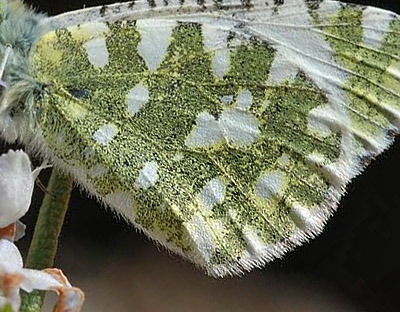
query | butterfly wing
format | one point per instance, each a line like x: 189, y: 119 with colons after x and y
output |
x: 227, y: 131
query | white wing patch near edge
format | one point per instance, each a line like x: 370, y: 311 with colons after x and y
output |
x: 314, y: 119
x: 281, y: 70
x: 155, y: 39
x: 303, y: 217
x: 216, y: 41
x: 123, y: 202
x: 375, y: 23
x: 202, y: 239
x: 254, y: 245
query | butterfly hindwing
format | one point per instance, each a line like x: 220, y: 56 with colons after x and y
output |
x: 227, y: 135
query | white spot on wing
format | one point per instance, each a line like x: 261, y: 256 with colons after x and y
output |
x: 148, y: 176
x: 281, y: 70
x: 226, y: 99
x: 105, y: 134
x: 239, y: 127
x: 215, y: 41
x: 376, y: 23
x: 327, y: 9
x: 253, y: 242
x: 156, y: 36
x: 88, y: 152
x: 136, y: 98
x: 213, y: 193
x: 206, y: 132
x: 284, y: 160
x: 221, y: 62
x: 244, y: 100
x: 97, y: 170
x: 269, y: 184
x: 97, y: 52
x: 178, y: 157
x: 302, y: 217
x: 201, y: 237
x: 123, y: 203
x: 235, y: 125
x: 318, y: 117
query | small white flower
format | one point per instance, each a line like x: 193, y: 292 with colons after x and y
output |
x: 16, y: 187
x: 16, y: 184
x: 14, y: 277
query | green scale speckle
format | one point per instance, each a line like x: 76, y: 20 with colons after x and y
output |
x: 79, y: 98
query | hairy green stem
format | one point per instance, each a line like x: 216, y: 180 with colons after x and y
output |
x: 44, y: 243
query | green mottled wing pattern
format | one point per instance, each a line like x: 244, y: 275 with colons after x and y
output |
x: 227, y: 131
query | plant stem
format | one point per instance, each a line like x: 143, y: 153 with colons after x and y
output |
x: 43, y: 248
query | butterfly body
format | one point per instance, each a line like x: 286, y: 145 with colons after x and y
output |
x: 225, y: 131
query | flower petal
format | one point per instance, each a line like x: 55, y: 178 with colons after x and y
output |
x: 70, y: 299
x: 59, y: 276
x: 10, y: 274
x: 16, y: 185
x: 10, y: 257
x: 40, y: 280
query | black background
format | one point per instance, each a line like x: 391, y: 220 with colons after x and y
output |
x: 356, y: 257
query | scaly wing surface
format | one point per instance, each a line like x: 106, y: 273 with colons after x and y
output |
x: 225, y: 130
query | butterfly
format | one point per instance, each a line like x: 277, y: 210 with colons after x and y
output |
x: 225, y: 130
